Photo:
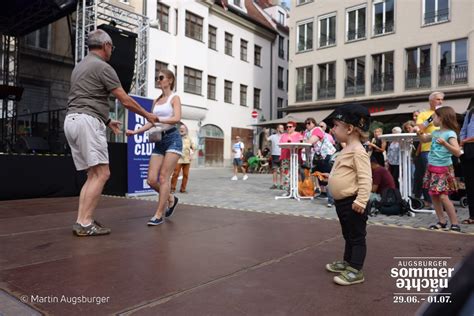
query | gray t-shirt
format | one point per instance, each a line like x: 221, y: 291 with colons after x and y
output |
x: 91, y: 82
x: 275, y: 140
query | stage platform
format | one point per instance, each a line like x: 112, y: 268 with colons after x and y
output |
x: 203, y: 261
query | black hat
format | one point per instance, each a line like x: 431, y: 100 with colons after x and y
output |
x: 354, y: 114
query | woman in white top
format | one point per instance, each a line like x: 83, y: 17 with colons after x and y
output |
x: 168, y: 150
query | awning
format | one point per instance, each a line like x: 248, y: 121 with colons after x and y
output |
x: 298, y: 117
x: 459, y: 105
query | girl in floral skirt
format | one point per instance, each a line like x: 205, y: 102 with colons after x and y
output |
x: 439, y: 177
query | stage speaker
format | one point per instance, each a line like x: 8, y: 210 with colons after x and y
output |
x: 123, y: 57
x: 32, y: 144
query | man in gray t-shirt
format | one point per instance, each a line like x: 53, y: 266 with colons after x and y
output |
x: 87, y: 117
x: 276, y: 152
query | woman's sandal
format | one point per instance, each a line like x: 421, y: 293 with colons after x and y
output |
x: 455, y: 228
x: 468, y: 221
x: 439, y: 225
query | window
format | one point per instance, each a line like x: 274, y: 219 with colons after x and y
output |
x: 237, y: 3
x: 243, y: 50
x: 304, y: 84
x: 453, y: 65
x: 162, y: 15
x: 192, y: 80
x: 279, y: 103
x: 355, y: 76
x: 383, y: 17
x: 281, y: 18
x: 258, y: 55
x: 211, y: 87
x: 39, y: 38
x: 228, y: 43
x: 327, y: 31
x: 212, y: 37
x: 280, y: 78
x: 382, y: 72
x: 435, y: 11
x: 287, y: 79
x: 281, y: 47
x: 228, y: 91
x: 243, y: 95
x: 256, y: 99
x: 418, y: 70
x: 193, y: 26
x: 299, y: 2
x: 304, y: 36
x: 327, y: 81
x: 158, y: 66
x: 355, y: 23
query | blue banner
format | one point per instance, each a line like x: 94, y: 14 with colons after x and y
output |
x: 138, y: 151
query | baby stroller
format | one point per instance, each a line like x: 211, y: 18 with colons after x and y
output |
x: 460, y: 195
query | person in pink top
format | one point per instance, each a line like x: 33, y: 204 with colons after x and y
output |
x: 291, y: 136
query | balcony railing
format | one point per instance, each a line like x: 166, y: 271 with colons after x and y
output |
x: 388, y: 27
x: 436, y: 16
x: 304, y: 92
x: 326, y: 41
x: 382, y: 82
x: 327, y: 90
x: 356, y: 34
x: 281, y: 53
x: 451, y: 74
x: 355, y: 86
x: 421, y: 78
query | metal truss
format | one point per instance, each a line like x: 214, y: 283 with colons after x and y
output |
x: 89, y: 12
x: 9, y: 54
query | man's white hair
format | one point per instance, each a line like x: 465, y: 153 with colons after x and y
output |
x: 434, y: 94
x: 97, y: 38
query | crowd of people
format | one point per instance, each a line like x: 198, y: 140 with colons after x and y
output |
x: 432, y: 158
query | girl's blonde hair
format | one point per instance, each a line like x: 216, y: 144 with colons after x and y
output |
x: 363, y: 135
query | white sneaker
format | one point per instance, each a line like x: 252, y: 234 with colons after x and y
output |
x: 234, y: 178
x: 180, y: 178
x: 245, y: 177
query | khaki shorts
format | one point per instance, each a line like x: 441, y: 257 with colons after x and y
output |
x: 87, y: 138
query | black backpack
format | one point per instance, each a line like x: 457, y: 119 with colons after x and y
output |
x: 392, y: 203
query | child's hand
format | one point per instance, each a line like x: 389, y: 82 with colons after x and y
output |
x: 441, y: 141
x: 129, y: 132
x: 357, y: 208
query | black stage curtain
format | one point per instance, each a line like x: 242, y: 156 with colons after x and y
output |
x: 38, y: 176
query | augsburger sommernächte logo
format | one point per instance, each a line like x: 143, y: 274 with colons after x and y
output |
x: 420, y: 279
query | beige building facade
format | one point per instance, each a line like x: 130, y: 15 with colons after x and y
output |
x: 380, y: 53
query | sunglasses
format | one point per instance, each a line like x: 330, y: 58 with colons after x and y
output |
x: 289, y: 126
x: 160, y: 78
x: 307, y: 123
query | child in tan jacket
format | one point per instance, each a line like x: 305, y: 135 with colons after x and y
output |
x: 350, y: 182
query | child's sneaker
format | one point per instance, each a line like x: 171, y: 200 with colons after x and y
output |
x: 337, y: 266
x: 349, y: 277
x: 245, y: 177
x: 234, y: 178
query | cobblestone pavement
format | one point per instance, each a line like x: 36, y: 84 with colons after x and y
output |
x: 213, y: 187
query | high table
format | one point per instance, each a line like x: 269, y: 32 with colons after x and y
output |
x: 293, y: 172
x: 404, y: 179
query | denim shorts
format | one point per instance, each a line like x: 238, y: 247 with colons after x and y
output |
x: 170, y: 143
